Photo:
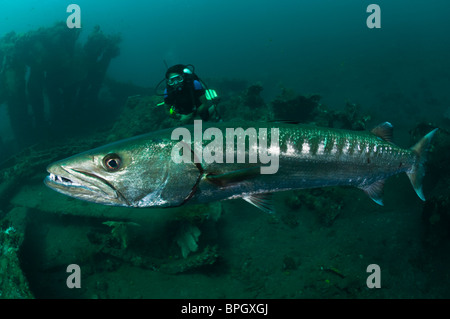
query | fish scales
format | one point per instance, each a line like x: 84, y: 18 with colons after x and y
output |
x: 317, y: 157
x: 142, y: 172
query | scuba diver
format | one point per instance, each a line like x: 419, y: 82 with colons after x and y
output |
x: 187, y: 96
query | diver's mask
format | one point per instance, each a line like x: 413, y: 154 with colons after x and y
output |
x: 175, y: 80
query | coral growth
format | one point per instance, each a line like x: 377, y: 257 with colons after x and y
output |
x: 120, y: 231
x: 13, y: 283
x: 187, y: 239
x: 60, y: 80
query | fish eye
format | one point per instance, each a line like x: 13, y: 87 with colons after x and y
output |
x: 112, y: 162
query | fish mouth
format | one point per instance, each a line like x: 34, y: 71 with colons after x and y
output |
x: 82, y: 185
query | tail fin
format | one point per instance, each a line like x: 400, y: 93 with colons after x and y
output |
x: 418, y: 170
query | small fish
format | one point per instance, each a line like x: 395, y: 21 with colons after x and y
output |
x: 140, y: 171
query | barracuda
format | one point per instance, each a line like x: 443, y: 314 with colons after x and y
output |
x: 140, y: 172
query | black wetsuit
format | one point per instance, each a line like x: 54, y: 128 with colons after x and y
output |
x: 185, y: 99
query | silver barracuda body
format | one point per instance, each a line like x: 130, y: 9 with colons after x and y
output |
x: 143, y: 172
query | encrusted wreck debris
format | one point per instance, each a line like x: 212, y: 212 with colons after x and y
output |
x: 188, y: 240
x: 48, y: 80
x: 13, y: 283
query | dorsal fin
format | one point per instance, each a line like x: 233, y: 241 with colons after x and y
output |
x: 385, y: 131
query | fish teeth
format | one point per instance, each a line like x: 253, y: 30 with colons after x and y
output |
x: 60, y: 179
